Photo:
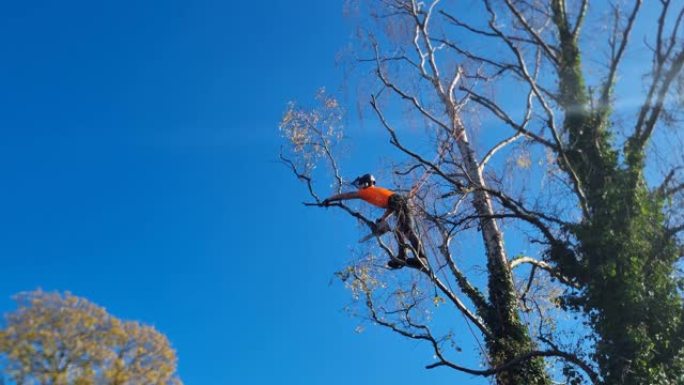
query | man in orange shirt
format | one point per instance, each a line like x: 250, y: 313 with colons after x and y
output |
x: 393, y: 204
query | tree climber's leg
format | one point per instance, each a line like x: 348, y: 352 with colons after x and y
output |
x: 405, y: 232
x: 400, y: 260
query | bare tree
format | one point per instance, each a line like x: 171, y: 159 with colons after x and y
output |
x: 526, y: 137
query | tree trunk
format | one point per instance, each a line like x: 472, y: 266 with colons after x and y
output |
x: 509, y: 336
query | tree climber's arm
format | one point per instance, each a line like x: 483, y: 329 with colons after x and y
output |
x: 341, y: 197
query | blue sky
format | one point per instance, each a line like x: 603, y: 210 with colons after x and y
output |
x: 139, y: 169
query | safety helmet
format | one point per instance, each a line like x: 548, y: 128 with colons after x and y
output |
x: 364, y: 181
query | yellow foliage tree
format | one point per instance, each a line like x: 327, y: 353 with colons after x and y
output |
x: 61, y: 339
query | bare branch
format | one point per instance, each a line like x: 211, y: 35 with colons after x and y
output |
x: 580, y: 18
x: 477, y: 321
x: 301, y: 176
x: 577, y: 185
x: 404, y: 95
x: 499, y: 113
x: 617, y: 56
x: 466, y: 287
x: 478, y: 31
x: 663, y: 77
x: 422, y: 34
x: 511, y: 139
x: 394, y: 140
x: 535, y: 35
x: 593, y: 376
x: 544, y: 266
x: 646, y: 127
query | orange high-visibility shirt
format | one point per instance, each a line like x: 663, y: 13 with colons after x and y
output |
x: 376, y: 196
